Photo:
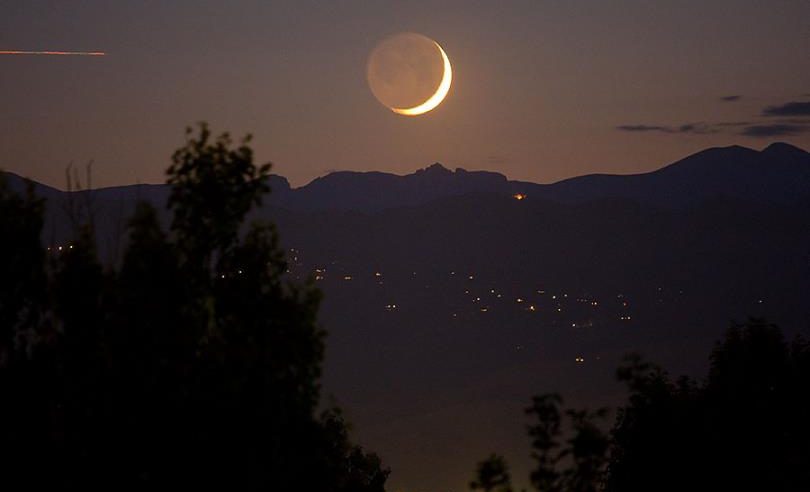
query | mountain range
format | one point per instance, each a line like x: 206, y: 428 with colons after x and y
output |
x: 778, y: 174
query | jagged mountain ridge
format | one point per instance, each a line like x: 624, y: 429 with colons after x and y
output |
x: 779, y: 174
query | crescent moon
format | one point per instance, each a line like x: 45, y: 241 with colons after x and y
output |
x: 438, y: 96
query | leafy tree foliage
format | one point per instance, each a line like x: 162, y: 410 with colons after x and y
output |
x: 22, y: 289
x: 193, y: 365
x: 746, y: 427
x: 492, y: 475
x: 566, y: 461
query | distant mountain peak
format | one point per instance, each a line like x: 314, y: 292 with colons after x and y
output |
x: 435, y: 169
x: 782, y: 148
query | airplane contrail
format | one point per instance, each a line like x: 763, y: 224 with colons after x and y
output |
x: 53, y: 53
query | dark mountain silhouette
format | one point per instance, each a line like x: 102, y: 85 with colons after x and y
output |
x: 374, y: 191
x: 778, y: 174
x: 19, y: 184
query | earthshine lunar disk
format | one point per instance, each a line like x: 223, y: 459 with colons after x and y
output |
x: 410, y: 74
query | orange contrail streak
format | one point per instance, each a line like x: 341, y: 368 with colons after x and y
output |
x: 53, y: 53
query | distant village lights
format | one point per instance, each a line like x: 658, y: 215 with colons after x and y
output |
x: 543, y: 305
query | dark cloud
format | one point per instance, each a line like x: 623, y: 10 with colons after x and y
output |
x: 688, y: 128
x: 696, y: 128
x: 778, y: 127
x: 775, y: 130
x: 642, y: 128
x: 788, y: 109
x: 794, y: 121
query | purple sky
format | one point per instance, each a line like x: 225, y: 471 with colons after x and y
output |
x: 542, y: 90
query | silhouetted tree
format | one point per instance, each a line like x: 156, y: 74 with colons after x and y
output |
x: 24, y: 324
x: 569, y: 457
x: 194, y: 365
x: 545, y: 435
x: 349, y: 467
x: 651, y: 429
x: 745, y: 428
x: 22, y: 272
x: 492, y: 475
x: 213, y: 187
x: 574, y: 464
x: 587, y: 449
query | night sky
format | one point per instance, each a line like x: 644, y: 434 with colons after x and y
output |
x: 542, y: 90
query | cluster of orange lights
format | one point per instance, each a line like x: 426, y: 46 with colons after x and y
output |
x: 519, y: 196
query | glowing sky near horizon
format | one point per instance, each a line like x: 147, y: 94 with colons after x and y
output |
x: 542, y: 91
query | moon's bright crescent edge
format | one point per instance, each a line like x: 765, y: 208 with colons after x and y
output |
x: 438, y: 96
